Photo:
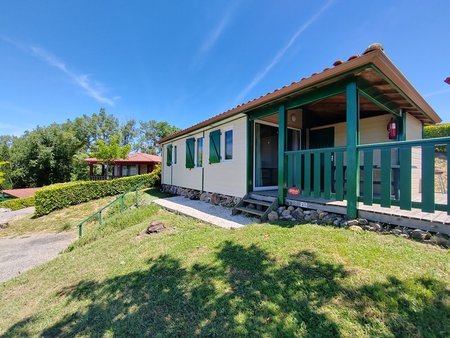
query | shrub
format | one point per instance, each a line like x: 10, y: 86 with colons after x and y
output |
x: 438, y: 130
x: 62, y: 195
x: 18, y: 203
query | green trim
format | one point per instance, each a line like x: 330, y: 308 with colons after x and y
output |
x: 214, y: 146
x: 402, y: 127
x: 352, y: 152
x: 305, y: 99
x: 190, y: 152
x: 282, y: 135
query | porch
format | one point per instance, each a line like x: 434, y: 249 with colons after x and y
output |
x: 358, y: 169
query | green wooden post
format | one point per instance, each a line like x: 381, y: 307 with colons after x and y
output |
x: 282, y: 185
x: 352, y: 152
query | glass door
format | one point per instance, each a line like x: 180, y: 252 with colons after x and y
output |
x: 266, y: 156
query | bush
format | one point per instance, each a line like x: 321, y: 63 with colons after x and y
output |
x: 438, y: 130
x: 18, y: 203
x: 62, y: 195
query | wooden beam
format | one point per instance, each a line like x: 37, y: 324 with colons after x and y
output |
x: 374, y: 95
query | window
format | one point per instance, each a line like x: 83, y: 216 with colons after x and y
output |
x: 190, y: 149
x: 214, y: 146
x: 200, y: 152
x: 175, y: 155
x: 229, y: 144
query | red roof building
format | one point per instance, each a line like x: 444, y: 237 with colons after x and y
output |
x: 134, y: 164
x: 20, y: 193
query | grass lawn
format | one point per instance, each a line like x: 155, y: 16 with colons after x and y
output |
x: 68, y: 218
x: 263, y: 280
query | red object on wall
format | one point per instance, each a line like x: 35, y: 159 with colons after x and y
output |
x: 392, y: 129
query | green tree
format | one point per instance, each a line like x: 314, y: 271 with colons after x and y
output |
x: 129, y: 132
x: 107, y: 153
x: 151, y: 132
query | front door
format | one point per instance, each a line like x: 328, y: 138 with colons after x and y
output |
x: 266, y: 156
x: 321, y: 138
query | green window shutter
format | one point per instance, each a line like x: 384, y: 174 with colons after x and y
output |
x: 214, y: 146
x: 190, y: 146
x: 169, y: 155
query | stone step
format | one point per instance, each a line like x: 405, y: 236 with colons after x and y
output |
x: 257, y: 202
x: 251, y: 211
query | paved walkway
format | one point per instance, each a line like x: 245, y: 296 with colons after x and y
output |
x: 8, y: 216
x: 18, y: 254
x: 206, y: 212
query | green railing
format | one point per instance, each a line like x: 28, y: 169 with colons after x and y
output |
x: 120, y: 200
x: 392, y: 173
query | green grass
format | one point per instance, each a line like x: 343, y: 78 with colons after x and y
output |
x: 263, y: 280
x: 57, y: 221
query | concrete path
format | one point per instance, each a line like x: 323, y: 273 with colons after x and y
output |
x: 8, y: 216
x: 206, y: 212
x: 18, y: 254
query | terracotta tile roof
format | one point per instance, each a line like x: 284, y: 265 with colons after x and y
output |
x: 133, y: 158
x: 20, y: 193
x: 372, y: 55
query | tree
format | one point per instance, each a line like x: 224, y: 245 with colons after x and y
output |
x: 2, y: 173
x: 151, y: 132
x: 108, y: 153
x: 89, y: 129
x: 129, y: 132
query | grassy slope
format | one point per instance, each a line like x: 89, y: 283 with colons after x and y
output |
x: 263, y: 280
x: 60, y: 220
x: 68, y: 218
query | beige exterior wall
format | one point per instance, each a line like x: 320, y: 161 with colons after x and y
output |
x: 414, y: 132
x: 227, y: 177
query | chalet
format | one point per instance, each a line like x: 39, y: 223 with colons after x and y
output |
x: 348, y: 139
x: 134, y: 164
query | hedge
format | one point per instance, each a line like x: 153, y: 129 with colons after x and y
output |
x: 18, y: 203
x: 62, y: 195
x: 437, y: 130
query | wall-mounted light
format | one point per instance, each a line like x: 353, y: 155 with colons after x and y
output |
x: 293, y: 117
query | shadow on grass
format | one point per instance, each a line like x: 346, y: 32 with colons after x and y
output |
x: 245, y: 292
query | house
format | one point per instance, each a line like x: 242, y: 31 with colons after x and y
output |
x: 17, y: 193
x: 134, y: 164
x: 348, y: 139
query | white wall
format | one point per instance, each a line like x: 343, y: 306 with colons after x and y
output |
x: 227, y: 177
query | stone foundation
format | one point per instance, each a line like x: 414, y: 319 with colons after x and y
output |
x: 193, y: 194
x: 299, y: 215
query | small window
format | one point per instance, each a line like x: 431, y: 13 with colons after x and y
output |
x: 175, y: 155
x: 200, y: 152
x: 229, y: 145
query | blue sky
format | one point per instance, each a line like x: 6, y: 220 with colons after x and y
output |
x: 184, y: 61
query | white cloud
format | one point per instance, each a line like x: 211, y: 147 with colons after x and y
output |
x: 92, y: 88
x: 281, y: 52
x: 438, y: 92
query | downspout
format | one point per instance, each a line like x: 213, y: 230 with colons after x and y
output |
x: 203, y: 162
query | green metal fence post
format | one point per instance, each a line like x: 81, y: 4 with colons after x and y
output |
x: 122, y: 202
x: 352, y: 152
x: 80, y: 230
x: 100, y: 217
